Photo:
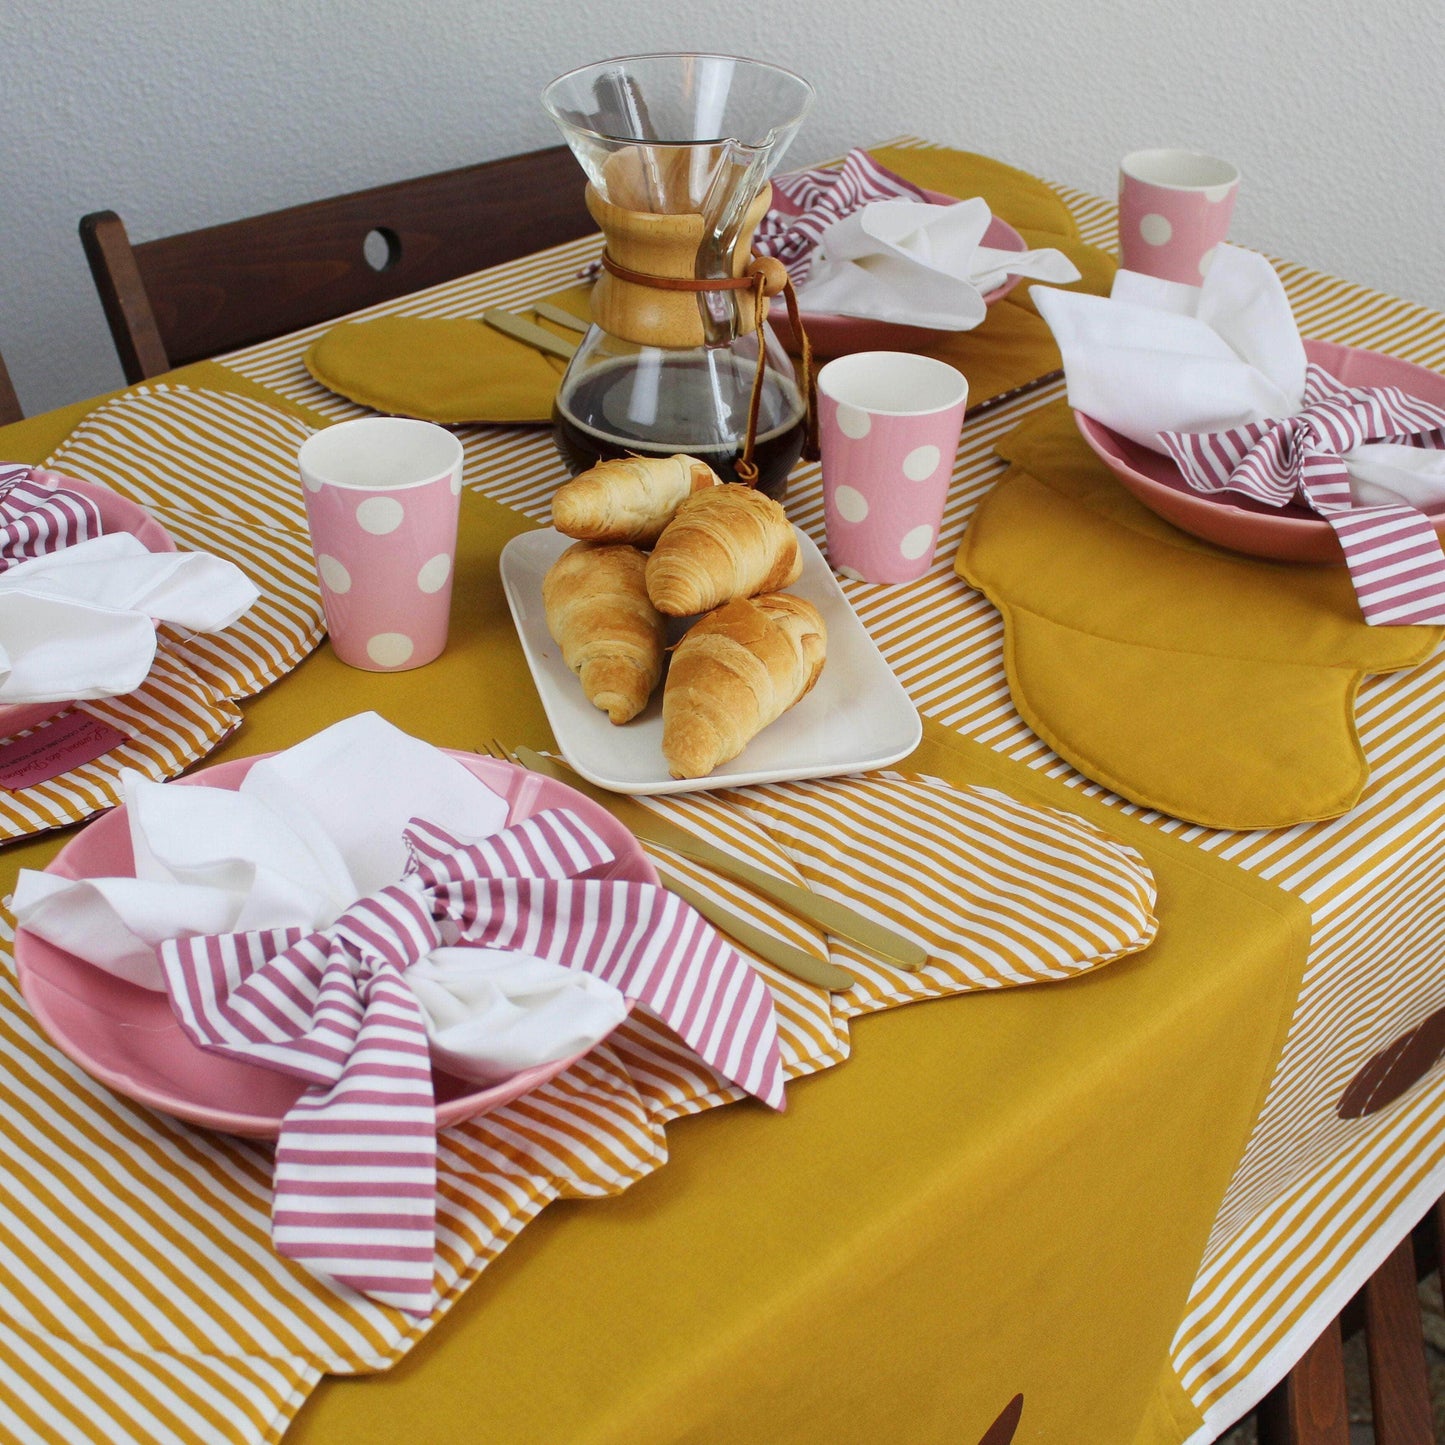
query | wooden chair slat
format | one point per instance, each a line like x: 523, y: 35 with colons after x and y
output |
x: 182, y: 298
x: 123, y: 295
x: 1395, y: 1343
x: 9, y: 402
x: 1308, y: 1407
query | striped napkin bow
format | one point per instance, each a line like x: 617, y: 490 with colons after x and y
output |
x: 38, y: 517
x: 1393, y: 554
x: 355, y: 1180
x: 818, y: 198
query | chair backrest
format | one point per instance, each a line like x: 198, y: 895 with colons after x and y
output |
x: 185, y: 297
x: 9, y: 402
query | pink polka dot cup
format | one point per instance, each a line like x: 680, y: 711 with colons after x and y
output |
x: 1174, y: 209
x: 382, y: 496
x: 888, y: 427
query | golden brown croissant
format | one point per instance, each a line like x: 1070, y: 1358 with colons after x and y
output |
x: 737, y: 670
x: 629, y: 499
x: 724, y: 543
x: 611, y: 636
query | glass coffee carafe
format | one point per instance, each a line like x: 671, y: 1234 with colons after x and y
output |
x: 678, y: 150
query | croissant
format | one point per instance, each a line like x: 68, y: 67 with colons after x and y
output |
x: 629, y: 499
x: 727, y: 542
x: 611, y: 636
x: 737, y: 670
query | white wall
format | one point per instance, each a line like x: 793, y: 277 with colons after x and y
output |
x: 180, y: 113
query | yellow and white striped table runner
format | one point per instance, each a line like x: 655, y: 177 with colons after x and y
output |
x: 1317, y: 1201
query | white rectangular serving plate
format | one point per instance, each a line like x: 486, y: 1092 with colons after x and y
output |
x: 856, y: 717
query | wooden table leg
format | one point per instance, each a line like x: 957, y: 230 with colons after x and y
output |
x: 1395, y: 1342
x: 1308, y: 1406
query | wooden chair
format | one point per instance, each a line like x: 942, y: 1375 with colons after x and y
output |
x: 185, y: 297
x: 1308, y: 1407
x: 9, y: 402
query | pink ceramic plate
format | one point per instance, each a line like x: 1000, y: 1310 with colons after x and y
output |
x: 1286, y: 534
x: 116, y: 515
x: 834, y: 335
x: 128, y: 1038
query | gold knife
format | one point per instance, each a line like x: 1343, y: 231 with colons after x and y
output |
x: 836, y: 918
x: 528, y: 332
x: 548, y: 312
x: 781, y: 955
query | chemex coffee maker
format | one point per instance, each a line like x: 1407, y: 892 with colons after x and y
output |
x: 680, y: 358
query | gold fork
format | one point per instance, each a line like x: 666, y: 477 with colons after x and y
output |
x: 791, y: 960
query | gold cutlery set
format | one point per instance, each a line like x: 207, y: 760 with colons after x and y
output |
x: 826, y: 913
x: 519, y: 328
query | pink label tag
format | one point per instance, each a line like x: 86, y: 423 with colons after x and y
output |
x: 55, y: 748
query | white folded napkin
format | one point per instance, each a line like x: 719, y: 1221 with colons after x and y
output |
x: 918, y: 265
x: 1157, y: 356
x: 491, y: 1014
x: 80, y: 622
x: 309, y: 832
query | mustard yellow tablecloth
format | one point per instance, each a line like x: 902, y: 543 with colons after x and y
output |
x: 1316, y: 1197
x: 995, y: 1195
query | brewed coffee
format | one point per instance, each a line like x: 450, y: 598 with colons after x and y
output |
x: 621, y: 408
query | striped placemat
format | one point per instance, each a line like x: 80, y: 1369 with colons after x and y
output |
x: 1317, y: 1200
x: 144, y: 1300
x: 218, y: 470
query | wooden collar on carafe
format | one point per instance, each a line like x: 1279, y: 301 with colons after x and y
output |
x: 765, y: 277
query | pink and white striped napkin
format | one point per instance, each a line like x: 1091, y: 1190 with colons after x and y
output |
x: 1216, y: 377
x: 38, y: 517
x: 319, y: 989
x: 1393, y: 553
x: 807, y: 203
x: 861, y: 241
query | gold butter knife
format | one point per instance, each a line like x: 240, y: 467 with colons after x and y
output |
x: 759, y: 941
x: 834, y: 917
x: 528, y: 332
x: 548, y: 312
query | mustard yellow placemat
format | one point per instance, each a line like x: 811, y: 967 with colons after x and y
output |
x: 454, y: 370
x: 1231, y: 681
x: 444, y: 369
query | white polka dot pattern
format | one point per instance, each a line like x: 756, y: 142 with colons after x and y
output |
x: 390, y: 649
x: 852, y: 505
x: 853, y: 422
x: 916, y: 542
x: 333, y: 573
x: 433, y: 575
x: 380, y: 515
x: 1156, y: 229
x: 921, y: 463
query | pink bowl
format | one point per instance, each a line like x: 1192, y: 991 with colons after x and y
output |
x: 1285, y: 534
x: 128, y: 1038
x: 834, y: 335
x: 117, y: 514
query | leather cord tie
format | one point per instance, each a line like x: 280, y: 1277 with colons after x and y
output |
x: 765, y: 277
